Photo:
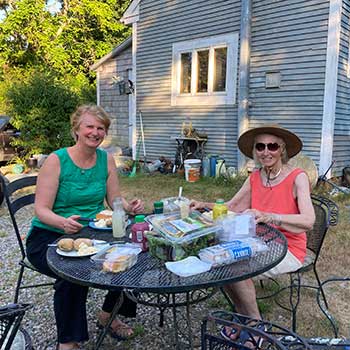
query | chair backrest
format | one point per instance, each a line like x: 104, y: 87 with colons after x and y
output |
x: 10, y: 319
x: 326, y: 212
x: 16, y: 200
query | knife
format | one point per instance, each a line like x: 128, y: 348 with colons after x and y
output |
x: 87, y: 219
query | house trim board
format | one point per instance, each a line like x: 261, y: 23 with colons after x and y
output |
x: 218, y: 98
x: 131, y: 15
x: 132, y: 101
x: 330, y: 90
x: 98, y: 98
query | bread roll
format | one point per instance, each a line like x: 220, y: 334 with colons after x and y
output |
x: 118, y: 265
x: 66, y: 244
x: 104, y: 214
x: 79, y: 241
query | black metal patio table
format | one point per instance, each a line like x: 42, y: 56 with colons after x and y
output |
x: 149, y: 282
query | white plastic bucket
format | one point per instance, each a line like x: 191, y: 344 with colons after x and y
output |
x: 192, y: 169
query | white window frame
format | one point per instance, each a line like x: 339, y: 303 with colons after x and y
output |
x: 211, y: 97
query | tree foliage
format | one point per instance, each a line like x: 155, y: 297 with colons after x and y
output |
x: 45, y: 57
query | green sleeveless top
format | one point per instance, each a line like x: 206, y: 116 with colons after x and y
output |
x: 80, y: 191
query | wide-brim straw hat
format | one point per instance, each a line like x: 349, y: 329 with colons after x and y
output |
x: 292, y: 141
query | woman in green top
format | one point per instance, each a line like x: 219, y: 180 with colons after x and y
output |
x: 73, y: 183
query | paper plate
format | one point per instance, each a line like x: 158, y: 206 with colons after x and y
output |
x: 74, y: 254
x: 92, y: 224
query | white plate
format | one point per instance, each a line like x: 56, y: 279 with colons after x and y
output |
x: 74, y: 254
x: 92, y: 224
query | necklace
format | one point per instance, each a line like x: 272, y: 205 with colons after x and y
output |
x: 274, y: 177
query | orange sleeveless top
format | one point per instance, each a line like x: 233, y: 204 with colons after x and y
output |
x: 279, y: 199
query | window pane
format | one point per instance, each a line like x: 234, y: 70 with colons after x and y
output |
x: 186, y: 64
x: 203, y: 62
x: 220, y: 56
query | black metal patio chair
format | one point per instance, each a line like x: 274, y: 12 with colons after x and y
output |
x: 19, y: 194
x: 11, y: 332
x: 326, y: 215
x: 263, y: 334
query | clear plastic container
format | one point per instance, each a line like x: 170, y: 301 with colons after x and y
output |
x: 171, y: 204
x: 236, y: 227
x: 167, y: 250
x: 177, y: 230
x: 230, y: 252
x: 117, y: 257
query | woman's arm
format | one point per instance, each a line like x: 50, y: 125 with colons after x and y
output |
x: 113, y: 190
x: 296, y: 223
x: 242, y: 199
x: 45, y: 195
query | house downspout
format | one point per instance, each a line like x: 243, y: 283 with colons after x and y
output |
x: 244, y: 72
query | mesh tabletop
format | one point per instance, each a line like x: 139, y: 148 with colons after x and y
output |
x: 149, y: 274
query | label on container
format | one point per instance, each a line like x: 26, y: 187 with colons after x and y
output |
x: 139, y: 236
x: 238, y: 250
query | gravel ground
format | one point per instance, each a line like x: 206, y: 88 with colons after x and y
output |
x: 40, y: 323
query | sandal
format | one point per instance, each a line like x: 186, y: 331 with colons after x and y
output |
x: 246, y: 338
x: 228, y: 333
x: 120, y: 332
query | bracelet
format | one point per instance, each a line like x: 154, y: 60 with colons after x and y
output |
x: 277, y: 219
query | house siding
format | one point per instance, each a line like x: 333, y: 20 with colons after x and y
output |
x: 290, y: 37
x: 163, y: 23
x: 116, y: 105
x: 341, y: 151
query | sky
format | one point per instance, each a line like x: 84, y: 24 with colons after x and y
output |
x: 52, y: 5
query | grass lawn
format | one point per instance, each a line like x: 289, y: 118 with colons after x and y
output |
x: 333, y: 262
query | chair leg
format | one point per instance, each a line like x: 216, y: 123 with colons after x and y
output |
x: 295, y: 284
x: 320, y: 287
x: 227, y: 299
x: 19, y: 281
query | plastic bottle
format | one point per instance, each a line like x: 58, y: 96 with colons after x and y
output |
x: 158, y: 207
x: 206, y: 166
x: 219, y: 209
x: 213, y: 159
x: 138, y: 232
x: 118, y: 218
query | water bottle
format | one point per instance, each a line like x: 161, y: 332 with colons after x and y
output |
x: 206, y: 166
x: 118, y: 218
x: 213, y: 159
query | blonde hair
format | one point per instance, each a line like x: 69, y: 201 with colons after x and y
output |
x: 98, y: 112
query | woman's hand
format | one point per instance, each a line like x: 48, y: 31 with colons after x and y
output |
x: 71, y: 225
x: 136, y: 206
x: 265, y: 218
x: 195, y: 205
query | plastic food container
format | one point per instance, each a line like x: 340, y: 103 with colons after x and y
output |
x: 167, y: 250
x: 117, y: 257
x: 174, y: 238
x: 171, y: 204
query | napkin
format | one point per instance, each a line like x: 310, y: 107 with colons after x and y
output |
x: 188, y: 267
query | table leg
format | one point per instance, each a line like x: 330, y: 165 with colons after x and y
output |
x: 176, y: 332
x: 188, y: 320
x: 103, y: 332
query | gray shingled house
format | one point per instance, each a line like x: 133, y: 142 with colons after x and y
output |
x: 229, y: 65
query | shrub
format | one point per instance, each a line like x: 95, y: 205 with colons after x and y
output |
x: 40, y: 105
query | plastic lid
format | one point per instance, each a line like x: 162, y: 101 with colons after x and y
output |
x: 158, y: 204
x: 220, y: 201
x: 139, y: 218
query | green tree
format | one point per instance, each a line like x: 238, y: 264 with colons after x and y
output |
x: 46, y: 102
x: 45, y: 57
x: 68, y: 41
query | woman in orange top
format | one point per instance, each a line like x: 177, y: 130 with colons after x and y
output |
x: 276, y: 194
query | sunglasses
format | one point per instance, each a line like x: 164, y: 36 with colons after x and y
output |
x: 272, y: 147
